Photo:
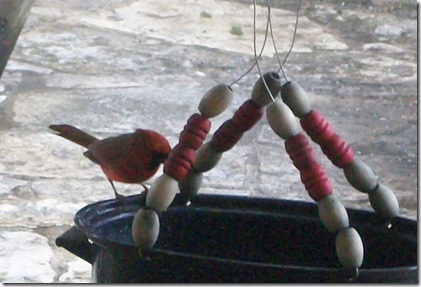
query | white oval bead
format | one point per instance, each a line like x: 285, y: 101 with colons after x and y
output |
x: 260, y: 95
x: 360, y: 176
x: 162, y: 193
x: 349, y: 248
x: 332, y: 213
x: 282, y: 120
x: 384, y: 201
x: 190, y: 184
x: 296, y: 99
x: 216, y: 100
x: 145, y: 229
x: 206, y: 158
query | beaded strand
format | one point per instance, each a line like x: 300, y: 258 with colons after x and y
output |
x: 332, y: 213
x: 190, y: 158
x: 184, y: 167
x: 358, y: 173
x: 229, y: 133
x: 145, y: 226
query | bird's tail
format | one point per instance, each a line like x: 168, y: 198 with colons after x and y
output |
x: 73, y: 134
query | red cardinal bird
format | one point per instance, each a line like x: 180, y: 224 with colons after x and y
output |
x: 127, y: 158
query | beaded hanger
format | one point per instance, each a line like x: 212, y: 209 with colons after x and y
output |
x: 190, y: 158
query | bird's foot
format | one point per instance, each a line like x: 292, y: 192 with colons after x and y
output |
x: 145, y: 190
x: 120, y: 198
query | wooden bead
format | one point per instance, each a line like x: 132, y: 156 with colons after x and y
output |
x: 188, y: 138
x: 179, y: 161
x: 200, y: 122
x: 300, y: 151
x: 247, y: 116
x: 332, y: 213
x: 282, y: 120
x: 312, y: 174
x: 384, y: 201
x: 317, y: 127
x: 260, y: 95
x: 145, y: 229
x: 338, y: 151
x: 190, y: 184
x: 316, y: 181
x: 182, y: 156
x: 162, y: 193
x: 360, y: 176
x: 226, y: 137
x: 231, y: 131
x: 349, y: 248
x: 296, y: 99
x: 320, y: 131
x: 195, y: 131
x: 206, y: 158
x: 216, y: 100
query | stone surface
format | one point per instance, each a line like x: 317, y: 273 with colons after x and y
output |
x: 110, y: 68
x: 25, y: 257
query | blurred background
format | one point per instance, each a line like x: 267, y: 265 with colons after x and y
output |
x: 111, y: 67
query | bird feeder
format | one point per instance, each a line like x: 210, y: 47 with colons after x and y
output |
x: 175, y: 234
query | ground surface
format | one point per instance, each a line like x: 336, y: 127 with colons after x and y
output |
x: 111, y: 68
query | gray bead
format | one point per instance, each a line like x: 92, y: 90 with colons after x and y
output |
x: 360, y: 176
x: 349, y: 248
x: 260, y: 95
x: 296, y: 99
x: 145, y: 229
x: 190, y: 184
x: 384, y: 201
x: 282, y: 120
x: 162, y: 193
x: 216, y: 100
x: 332, y: 213
x: 206, y: 158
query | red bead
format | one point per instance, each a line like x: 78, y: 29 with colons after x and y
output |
x: 247, y: 116
x: 316, y: 182
x: 175, y: 169
x: 226, y: 137
x: 300, y: 151
x: 312, y: 174
x: 179, y: 161
x: 182, y: 156
x: 199, y: 121
x: 320, y: 131
x: 338, y: 151
x: 231, y: 131
x: 195, y: 131
x: 190, y: 140
x: 316, y: 127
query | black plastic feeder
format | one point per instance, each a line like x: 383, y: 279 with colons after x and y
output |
x: 238, y: 239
